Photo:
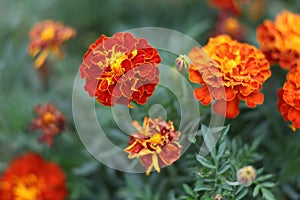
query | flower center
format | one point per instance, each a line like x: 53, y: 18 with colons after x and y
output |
x: 27, y: 188
x: 48, y: 118
x: 156, y: 139
x: 116, y: 61
x: 48, y: 34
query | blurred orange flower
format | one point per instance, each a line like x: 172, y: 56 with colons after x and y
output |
x: 46, y: 37
x: 49, y: 120
x: 30, y: 177
x: 120, y: 69
x: 280, y: 40
x: 156, y: 144
x: 228, y: 24
x: 229, y: 71
x: 289, y: 98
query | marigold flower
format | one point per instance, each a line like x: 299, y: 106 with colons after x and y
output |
x: 230, y: 72
x: 156, y: 144
x: 246, y: 175
x: 279, y: 40
x: 120, y: 69
x: 46, y: 37
x: 30, y: 177
x: 289, y: 98
x: 49, y: 120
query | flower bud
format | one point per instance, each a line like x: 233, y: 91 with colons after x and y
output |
x: 218, y: 197
x: 246, y: 175
x: 182, y: 63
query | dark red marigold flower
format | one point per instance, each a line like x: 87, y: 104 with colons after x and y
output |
x: 289, y: 98
x: 156, y: 144
x: 48, y: 37
x: 30, y: 177
x: 120, y: 69
x: 49, y: 121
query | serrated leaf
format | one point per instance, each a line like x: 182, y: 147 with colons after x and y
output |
x: 267, y: 194
x: 187, y: 189
x: 205, y: 162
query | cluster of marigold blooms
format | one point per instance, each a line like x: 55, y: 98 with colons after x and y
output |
x: 29, y: 176
x: 123, y: 69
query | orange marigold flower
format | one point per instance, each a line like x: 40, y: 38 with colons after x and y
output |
x: 120, y: 69
x: 49, y: 120
x: 229, y: 71
x: 279, y: 40
x: 156, y: 144
x: 48, y: 36
x: 289, y: 98
x: 30, y: 177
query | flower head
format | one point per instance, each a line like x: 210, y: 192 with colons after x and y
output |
x: 218, y: 197
x: 46, y: 37
x: 49, y: 120
x: 279, y: 40
x: 229, y: 71
x: 120, y: 69
x: 289, y: 98
x: 30, y: 177
x: 156, y: 144
x: 246, y: 175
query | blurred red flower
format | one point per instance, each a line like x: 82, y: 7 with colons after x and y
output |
x: 120, y: 69
x: 30, y: 177
x: 289, y: 98
x: 46, y: 37
x: 156, y: 144
x: 49, y: 120
x: 233, y: 6
x: 280, y: 40
x: 229, y: 72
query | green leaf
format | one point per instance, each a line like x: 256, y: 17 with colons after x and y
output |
x: 267, y: 194
x: 268, y: 184
x: 205, y: 162
x: 188, y: 190
x: 224, y: 168
x: 242, y: 194
x: 256, y: 190
x: 221, y: 150
x: 263, y: 178
x: 202, y: 188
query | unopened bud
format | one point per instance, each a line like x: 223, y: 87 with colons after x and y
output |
x: 246, y: 175
x: 218, y: 197
x: 182, y: 63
